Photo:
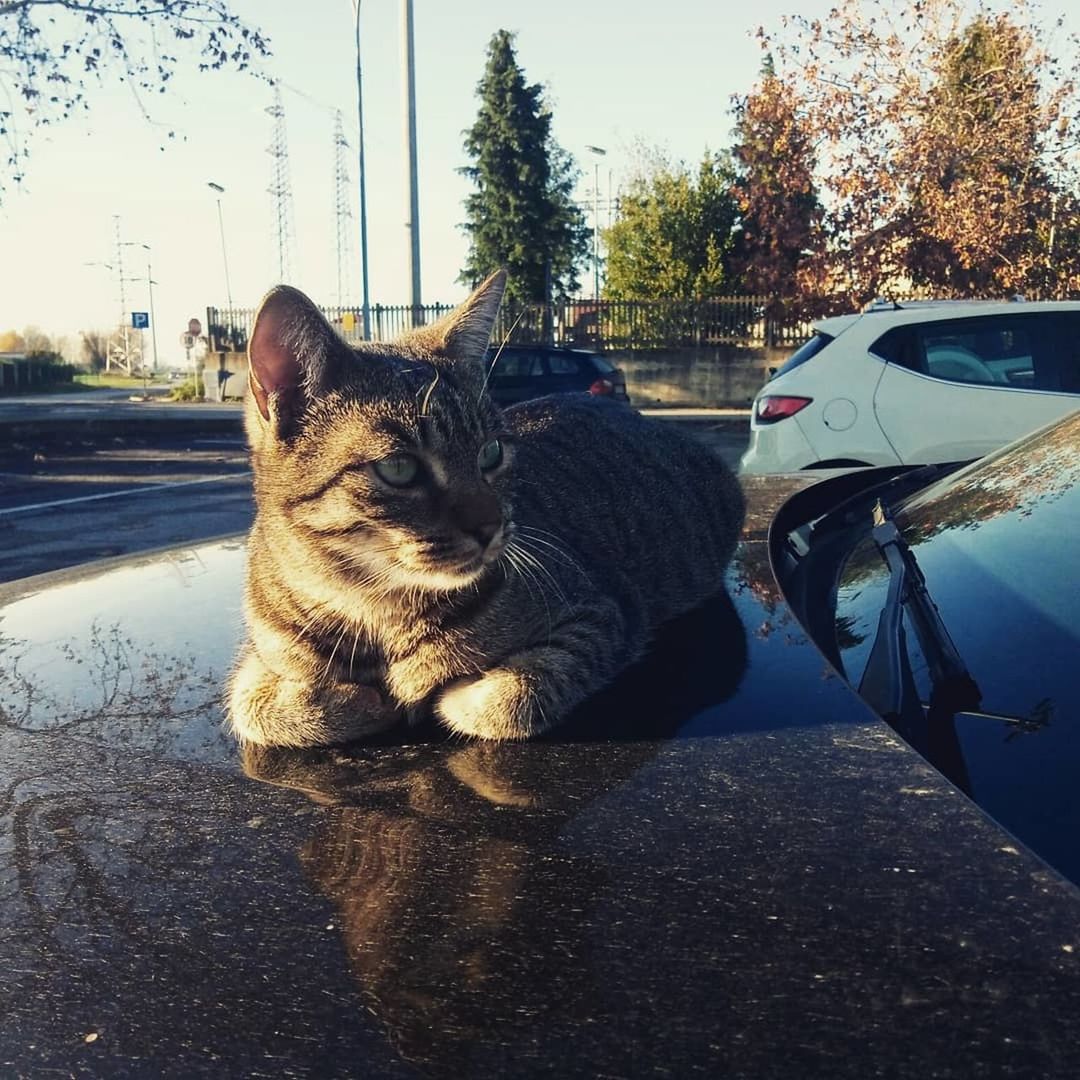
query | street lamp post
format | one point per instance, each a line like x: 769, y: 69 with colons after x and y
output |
x: 600, y: 152
x: 363, y: 180
x: 224, y: 257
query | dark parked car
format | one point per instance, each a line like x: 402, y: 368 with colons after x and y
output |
x: 727, y: 864
x: 521, y: 372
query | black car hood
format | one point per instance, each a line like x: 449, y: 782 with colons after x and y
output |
x: 723, y: 865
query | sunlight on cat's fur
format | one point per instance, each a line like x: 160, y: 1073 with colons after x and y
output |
x: 417, y: 551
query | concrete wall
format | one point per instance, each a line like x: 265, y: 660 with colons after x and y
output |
x: 234, y: 365
x: 706, y: 377
x: 724, y: 375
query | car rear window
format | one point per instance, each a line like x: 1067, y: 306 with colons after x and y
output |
x: 804, y: 352
x: 517, y: 364
x: 562, y: 364
x: 601, y: 364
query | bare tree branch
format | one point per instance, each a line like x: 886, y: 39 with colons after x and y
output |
x: 52, y: 50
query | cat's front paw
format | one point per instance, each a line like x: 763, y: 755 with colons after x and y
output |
x: 500, y: 704
x: 268, y: 710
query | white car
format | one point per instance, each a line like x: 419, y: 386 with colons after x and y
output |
x: 917, y: 383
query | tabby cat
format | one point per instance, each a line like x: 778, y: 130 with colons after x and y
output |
x: 416, y: 550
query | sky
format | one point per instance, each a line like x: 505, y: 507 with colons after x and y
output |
x: 614, y: 74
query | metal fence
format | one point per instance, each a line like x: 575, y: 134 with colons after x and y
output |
x: 605, y: 325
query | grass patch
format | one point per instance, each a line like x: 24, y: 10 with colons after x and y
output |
x: 111, y: 381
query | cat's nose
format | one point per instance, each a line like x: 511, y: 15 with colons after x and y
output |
x: 478, y: 515
x: 485, y: 532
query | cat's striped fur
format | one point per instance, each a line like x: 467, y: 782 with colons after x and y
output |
x: 500, y: 585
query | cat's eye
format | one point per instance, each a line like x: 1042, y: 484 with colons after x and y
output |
x: 490, y: 456
x: 398, y: 470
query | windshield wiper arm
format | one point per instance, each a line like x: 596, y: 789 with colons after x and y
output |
x: 888, y: 685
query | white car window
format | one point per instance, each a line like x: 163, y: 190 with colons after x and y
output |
x: 1021, y: 351
x: 979, y: 354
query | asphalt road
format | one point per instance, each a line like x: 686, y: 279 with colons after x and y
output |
x: 69, y: 500
x: 67, y: 503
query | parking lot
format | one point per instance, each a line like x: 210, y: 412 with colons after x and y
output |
x: 68, y: 501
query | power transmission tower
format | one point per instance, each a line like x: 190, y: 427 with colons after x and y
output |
x: 124, y: 333
x: 342, y: 212
x: 281, y: 188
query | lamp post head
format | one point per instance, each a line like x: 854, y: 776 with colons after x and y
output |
x: 216, y: 187
x: 596, y: 150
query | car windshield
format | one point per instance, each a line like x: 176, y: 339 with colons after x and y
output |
x: 994, y: 545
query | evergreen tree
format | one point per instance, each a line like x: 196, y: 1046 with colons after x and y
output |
x: 521, y: 216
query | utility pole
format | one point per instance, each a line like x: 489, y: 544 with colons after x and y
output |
x: 413, y: 210
x: 150, y: 283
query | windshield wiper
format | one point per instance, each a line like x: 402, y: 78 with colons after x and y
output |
x: 888, y: 685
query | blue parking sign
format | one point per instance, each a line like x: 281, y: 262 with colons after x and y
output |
x: 140, y: 319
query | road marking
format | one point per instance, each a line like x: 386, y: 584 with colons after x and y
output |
x: 117, y: 494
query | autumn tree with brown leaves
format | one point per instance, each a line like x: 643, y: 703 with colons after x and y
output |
x: 779, y: 241
x: 52, y: 51
x: 947, y: 153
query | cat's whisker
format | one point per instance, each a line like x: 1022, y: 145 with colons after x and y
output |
x: 337, y: 645
x: 528, y: 533
x: 498, y: 351
x: 355, y: 642
x: 539, y: 568
x: 525, y: 569
x: 515, y: 564
x: 319, y: 617
x: 534, y: 559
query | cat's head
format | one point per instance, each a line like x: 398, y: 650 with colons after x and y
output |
x: 390, y: 459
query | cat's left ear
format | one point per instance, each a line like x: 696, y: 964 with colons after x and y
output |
x: 291, y: 353
x: 464, y: 334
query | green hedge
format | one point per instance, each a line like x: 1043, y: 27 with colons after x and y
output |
x: 24, y: 375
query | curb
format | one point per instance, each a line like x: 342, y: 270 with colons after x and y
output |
x: 701, y: 417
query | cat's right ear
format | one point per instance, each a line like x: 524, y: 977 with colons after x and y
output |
x: 290, y: 356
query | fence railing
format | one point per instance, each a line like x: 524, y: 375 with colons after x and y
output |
x: 605, y: 325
